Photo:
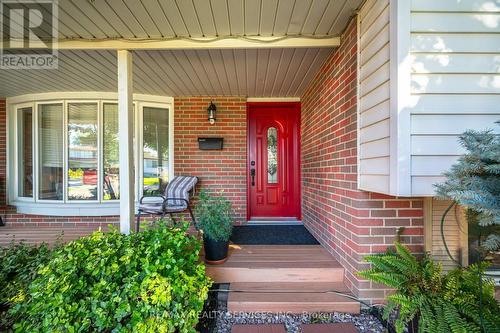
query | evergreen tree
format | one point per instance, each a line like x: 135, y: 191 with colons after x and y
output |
x: 474, y: 181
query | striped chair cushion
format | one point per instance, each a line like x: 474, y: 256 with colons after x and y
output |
x: 179, y: 187
x: 157, y: 208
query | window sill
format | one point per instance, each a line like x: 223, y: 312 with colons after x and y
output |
x: 67, y: 209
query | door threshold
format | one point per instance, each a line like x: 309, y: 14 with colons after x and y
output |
x: 274, y: 221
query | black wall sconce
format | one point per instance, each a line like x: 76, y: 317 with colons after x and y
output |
x: 211, y: 113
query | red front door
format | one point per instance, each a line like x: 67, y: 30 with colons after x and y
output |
x: 273, y: 160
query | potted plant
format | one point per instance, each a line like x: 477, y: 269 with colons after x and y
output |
x: 214, y: 218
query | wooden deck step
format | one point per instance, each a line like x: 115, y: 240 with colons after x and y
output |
x: 291, y: 297
x: 277, y: 263
x: 246, y: 328
x: 329, y: 328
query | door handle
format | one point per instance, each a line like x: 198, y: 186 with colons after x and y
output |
x: 252, y: 174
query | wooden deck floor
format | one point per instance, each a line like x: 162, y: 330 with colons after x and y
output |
x: 277, y: 263
x: 283, y: 278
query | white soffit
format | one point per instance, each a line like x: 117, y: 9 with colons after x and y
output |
x: 250, y: 72
x: 160, y: 19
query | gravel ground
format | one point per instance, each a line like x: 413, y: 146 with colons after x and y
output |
x: 216, y: 318
x: 366, y: 323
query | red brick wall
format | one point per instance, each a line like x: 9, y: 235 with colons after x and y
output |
x: 10, y: 216
x: 350, y: 223
x: 217, y: 170
x: 3, y: 153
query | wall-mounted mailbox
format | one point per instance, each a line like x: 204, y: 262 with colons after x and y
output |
x: 210, y: 143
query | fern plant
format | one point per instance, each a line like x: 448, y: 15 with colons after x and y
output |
x: 440, y: 302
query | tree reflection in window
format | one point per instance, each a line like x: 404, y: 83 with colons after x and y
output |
x: 272, y: 155
x: 82, y: 151
x: 155, y: 162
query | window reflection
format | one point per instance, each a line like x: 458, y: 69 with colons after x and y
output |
x: 50, y: 131
x: 25, y: 137
x: 111, y: 151
x: 155, y: 149
x: 477, y: 235
x: 272, y: 155
x: 111, y: 160
x: 82, y: 151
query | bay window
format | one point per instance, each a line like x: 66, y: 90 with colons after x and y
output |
x: 67, y: 151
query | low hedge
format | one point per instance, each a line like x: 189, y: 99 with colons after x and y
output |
x: 19, y: 264
x: 151, y: 281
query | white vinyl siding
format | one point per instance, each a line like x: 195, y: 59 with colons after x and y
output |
x: 427, y: 71
x: 439, y: 41
x: 455, y: 81
x: 455, y: 231
x: 374, y: 95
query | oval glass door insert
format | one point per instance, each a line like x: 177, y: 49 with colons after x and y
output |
x: 272, y: 155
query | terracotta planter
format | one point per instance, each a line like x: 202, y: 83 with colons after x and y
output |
x: 215, y: 251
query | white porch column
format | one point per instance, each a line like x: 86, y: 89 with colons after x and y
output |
x: 125, y: 122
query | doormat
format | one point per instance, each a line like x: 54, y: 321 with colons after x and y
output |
x: 272, y: 235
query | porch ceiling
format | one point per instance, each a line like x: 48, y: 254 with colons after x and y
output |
x: 129, y: 19
x: 250, y: 72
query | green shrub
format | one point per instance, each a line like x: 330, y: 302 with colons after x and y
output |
x: 441, y: 302
x: 19, y: 265
x: 151, y: 281
x: 214, y: 216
